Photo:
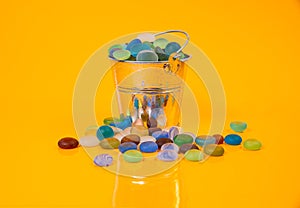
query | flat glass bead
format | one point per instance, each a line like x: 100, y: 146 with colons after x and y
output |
x: 147, y: 138
x: 167, y: 155
x: 133, y: 156
x: 131, y: 138
x: 127, y: 146
x: 170, y: 146
x: 146, y: 55
x: 252, y: 144
x: 213, y: 150
x: 238, y: 126
x: 219, y: 138
x: 146, y: 37
x: 193, y: 155
x: 172, y: 47
x: 160, y: 142
x: 110, y: 143
x: 160, y: 134
x: 162, y: 56
x: 117, y: 46
x: 233, y: 139
x: 68, y: 143
x: 103, y: 160
x: 173, y: 131
x: 89, y: 141
x: 132, y: 43
x: 148, y: 147
x: 203, y: 140
x: 181, y: 139
x: 104, y: 132
x: 161, y: 42
x: 139, y: 130
x: 121, y: 54
x: 185, y: 147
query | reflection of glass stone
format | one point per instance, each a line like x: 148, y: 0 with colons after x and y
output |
x: 132, y: 43
x: 172, y: 48
x: 121, y: 54
x: 146, y: 55
x: 146, y: 37
x: 162, y: 56
x: 161, y: 42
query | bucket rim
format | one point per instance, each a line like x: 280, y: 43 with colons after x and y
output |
x: 148, y: 62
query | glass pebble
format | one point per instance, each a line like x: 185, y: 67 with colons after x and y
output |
x: 162, y: 56
x: 161, y: 42
x: 112, y: 51
x: 135, y: 49
x: 252, y: 144
x: 170, y: 146
x: 219, y: 138
x: 149, y: 44
x: 110, y: 143
x: 147, y: 138
x: 148, y: 147
x: 160, y: 134
x: 233, y: 139
x: 104, y: 132
x: 203, y: 140
x: 172, y: 47
x: 238, y: 126
x: 146, y: 37
x: 91, y: 130
x: 133, y: 156
x: 185, y: 147
x: 174, y: 131
x: 146, y: 55
x: 117, y: 46
x: 191, y: 134
x: 181, y: 139
x: 160, y: 142
x: 122, y: 124
x: 213, y: 150
x: 167, y: 155
x: 68, y: 143
x: 132, y: 43
x: 131, y: 138
x: 127, y: 146
x: 103, y: 160
x: 121, y: 54
x: 89, y: 141
x: 194, y: 155
x: 110, y: 120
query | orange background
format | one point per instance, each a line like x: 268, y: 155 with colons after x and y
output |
x: 43, y: 45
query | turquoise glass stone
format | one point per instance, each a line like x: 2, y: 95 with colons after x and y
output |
x: 172, y: 47
x: 161, y: 43
x: 181, y: 139
x: 238, y: 126
x: 104, y: 132
x: 135, y: 49
x: 149, y: 44
x: 233, y: 139
x: 167, y: 155
x: 162, y: 56
x: 146, y: 55
x: 205, y: 140
x: 252, y: 144
x: 132, y: 43
x: 121, y: 54
x: 133, y: 156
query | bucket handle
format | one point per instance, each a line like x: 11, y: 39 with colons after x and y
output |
x: 176, y: 31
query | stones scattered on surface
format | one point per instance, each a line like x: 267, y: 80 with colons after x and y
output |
x: 213, y: 150
x: 238, y: 126
x: 194, y: 155
x: 181, y: 139
x: 105, y: 132
x: 68, y: 143
x: 219, y: 138
x: 233, y: 139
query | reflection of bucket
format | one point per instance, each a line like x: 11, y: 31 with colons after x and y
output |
x: 151, y: 89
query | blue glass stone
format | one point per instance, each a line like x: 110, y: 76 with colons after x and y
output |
x: 127, y: 146
x: 105, y: 132
x: 170, y: 146
x: 132, y: 43
x: 127, y: 122
x: 148, y: 147
x: 238, y: 126
x: 172, y: 47
x: 160, y: 134
x: 233, y: 139
x: 205, y: 140
x: 103, y: 160
x: 167, y: 155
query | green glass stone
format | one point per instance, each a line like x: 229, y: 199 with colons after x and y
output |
x: 162, y: 56
x: 146, y: 55
x: 110, y: 143
x: 118, y: 46
x: 252, y: 144
x: 181, y: 139
x: 238, y: 126
x: 213, y: 150
x: 121, y: 54
x: 133, y: 156
x: 194, y: 155
x: 110, y: 120
x: 161, y: 42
